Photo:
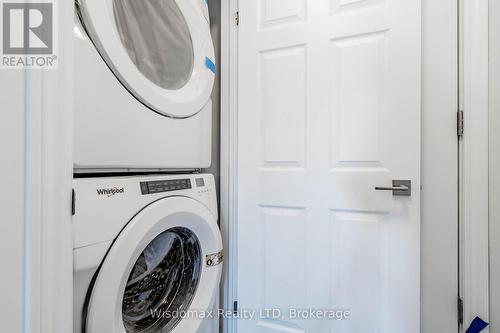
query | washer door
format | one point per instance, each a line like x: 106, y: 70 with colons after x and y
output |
x: 160, y: 50
x: 164, y: 262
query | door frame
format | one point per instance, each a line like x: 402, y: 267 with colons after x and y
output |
x: 228, y: 155
x: 51, y: 107
x: 474, y: 159
x: 228, y: 168
x: 494, y: 71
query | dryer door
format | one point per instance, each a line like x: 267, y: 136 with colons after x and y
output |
x: 160, y: 50
x: 166, y: 261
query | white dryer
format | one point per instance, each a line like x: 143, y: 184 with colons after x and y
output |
x: 147, y: 251
x: 144, y: 74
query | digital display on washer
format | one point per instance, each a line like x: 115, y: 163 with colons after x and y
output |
x: 200, y: 182
x: 159, y: 186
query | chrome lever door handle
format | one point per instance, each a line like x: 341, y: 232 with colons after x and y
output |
x: 398, y: 188
x: 393, y: 188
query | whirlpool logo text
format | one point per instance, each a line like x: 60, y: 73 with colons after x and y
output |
x: 110, y: 191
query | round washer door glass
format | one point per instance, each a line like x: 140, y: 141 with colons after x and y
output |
x: 157, y: 39
x: 163, y: 281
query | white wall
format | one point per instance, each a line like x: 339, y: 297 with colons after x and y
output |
x: 215, y: 28
x: 494, y: 166
x: 439, y: 248
x: 11, y: 199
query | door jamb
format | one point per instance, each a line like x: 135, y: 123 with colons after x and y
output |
x: 473, y: 150
x: 228, y: 156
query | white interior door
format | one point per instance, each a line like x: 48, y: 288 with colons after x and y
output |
x: 328, y: 109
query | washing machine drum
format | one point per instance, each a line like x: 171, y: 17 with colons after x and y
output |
x: 160, y: 50
x: 161, y: 272
x: 163, y: 279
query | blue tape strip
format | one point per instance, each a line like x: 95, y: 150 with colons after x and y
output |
x: 210, y: 64
x: 477, y: 326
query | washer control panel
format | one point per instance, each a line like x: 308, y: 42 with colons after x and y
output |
x: 160, y: 186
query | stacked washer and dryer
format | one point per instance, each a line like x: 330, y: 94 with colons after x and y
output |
x: 147, y: 247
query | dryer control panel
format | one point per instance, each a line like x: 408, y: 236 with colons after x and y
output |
x: 160, y: 186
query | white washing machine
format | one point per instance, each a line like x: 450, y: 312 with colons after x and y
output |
x: 144, y: 75
x: 147, y: 254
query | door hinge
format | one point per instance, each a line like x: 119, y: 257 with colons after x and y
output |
x: 237, y: 18
x: 73, y: 202
x: 235, y: 307
x: 460, y: 124
x: 460, y: 310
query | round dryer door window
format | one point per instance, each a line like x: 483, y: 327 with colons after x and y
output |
x: 160, y: 50
x: 163, y: 281
x: 157, y: 39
